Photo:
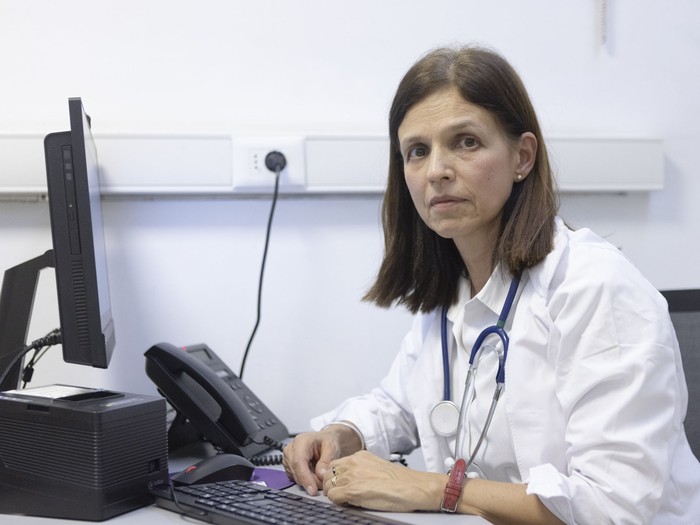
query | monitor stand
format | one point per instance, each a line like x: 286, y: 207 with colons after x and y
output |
x: 16, y: 303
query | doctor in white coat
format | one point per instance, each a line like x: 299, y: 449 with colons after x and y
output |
x: 569, y: 407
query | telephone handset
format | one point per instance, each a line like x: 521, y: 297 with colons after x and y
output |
x: 202, y: 389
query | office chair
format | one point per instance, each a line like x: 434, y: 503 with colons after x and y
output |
x: 684, y: 307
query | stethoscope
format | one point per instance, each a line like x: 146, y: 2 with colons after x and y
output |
x: 446, y: 418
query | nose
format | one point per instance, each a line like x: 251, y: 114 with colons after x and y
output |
x: 440, y: 165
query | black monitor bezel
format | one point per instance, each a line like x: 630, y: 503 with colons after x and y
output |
x: 87, y: 327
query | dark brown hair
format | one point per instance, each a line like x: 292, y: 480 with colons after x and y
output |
x: 420, y: 269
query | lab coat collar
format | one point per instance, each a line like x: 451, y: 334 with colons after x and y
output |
x: 492, y: 295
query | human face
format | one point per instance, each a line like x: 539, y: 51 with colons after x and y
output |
x: 459, y: 167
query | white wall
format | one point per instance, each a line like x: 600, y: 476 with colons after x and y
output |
x: 186, y: 270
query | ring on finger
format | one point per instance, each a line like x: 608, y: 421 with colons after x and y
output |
x: 334, y: 480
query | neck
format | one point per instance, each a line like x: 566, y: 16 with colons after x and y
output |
x: 479, y: 270
x: 477, y: 257
x: 478, y: 281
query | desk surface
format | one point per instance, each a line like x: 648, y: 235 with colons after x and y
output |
x: 157, y: 515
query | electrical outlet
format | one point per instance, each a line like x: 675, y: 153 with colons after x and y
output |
x: 250, y: 172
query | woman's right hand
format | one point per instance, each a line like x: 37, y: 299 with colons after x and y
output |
x: 308, y: 457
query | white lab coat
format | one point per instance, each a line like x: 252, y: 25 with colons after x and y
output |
x: 595, y: 394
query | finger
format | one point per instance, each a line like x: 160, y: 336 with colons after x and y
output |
x: 335, y: 489
x: 332, y: 480
x: 287, y: 453
x: 300, y: 459
x: 306, y: 479
x: 328, y: 458
x: 329, y: 484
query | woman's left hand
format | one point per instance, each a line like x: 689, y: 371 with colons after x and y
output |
x: 365, y: 480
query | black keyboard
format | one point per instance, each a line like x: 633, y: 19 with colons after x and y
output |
x: 246, y: 503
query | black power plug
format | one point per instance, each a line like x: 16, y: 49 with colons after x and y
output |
x: 275, y: 161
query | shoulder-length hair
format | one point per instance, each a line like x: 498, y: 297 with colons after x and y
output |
x: 420, y: 269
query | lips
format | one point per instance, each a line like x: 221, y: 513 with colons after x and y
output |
x: 442, y: 200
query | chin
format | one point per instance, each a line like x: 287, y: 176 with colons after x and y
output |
x: 446, y: 232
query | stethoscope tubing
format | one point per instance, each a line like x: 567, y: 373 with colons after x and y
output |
x: 446, y: 384
x: 498, y: 330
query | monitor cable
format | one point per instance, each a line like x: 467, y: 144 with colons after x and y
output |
x: 275, y: 162
x: 40, y: 346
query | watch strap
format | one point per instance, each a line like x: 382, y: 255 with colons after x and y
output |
x: 453, y: 489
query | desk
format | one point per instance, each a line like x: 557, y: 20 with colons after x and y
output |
x: 156, y: 515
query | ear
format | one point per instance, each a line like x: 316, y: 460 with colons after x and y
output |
x: 526, y: 150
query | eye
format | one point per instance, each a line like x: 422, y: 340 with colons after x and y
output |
x: 467, y: 142
x: 417, y: 151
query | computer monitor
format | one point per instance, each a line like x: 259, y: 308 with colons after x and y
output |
x: 78, y: 256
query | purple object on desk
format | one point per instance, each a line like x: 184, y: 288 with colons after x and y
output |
x: 273, y: 478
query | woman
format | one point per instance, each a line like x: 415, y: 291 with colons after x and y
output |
x: 589, y: 424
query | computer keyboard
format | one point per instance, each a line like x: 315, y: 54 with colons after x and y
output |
x: 248, y: 503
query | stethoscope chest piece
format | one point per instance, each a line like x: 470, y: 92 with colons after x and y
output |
x: 444, y: 418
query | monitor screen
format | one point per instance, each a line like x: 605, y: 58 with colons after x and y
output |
x: 87, y: 328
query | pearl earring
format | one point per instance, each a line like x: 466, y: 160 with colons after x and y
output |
x: 518, y: 177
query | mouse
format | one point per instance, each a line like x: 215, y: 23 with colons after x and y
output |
x: 222, y: 467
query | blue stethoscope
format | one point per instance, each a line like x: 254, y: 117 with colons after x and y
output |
x: 446, y: 418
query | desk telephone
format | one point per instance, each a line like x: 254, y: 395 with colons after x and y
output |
x: 211, y: 401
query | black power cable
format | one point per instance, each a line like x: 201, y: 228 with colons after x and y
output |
x: 275, y: 162
x: 39, y: 346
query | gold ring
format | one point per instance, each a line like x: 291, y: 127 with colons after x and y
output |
x: 333, y: 481
x: 334, y: 472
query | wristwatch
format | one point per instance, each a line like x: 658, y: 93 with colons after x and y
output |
x: 458, y: 473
